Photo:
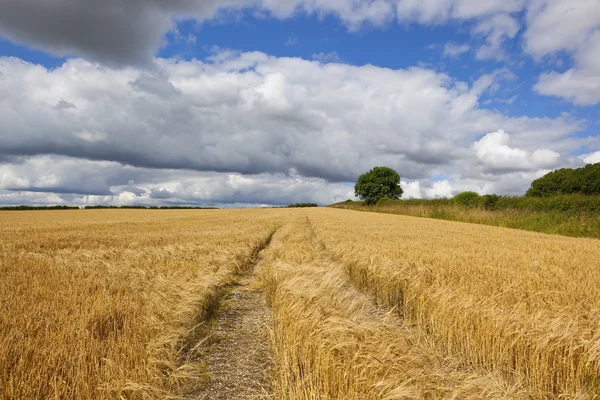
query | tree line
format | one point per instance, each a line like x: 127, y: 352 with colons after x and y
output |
x: 381, y: 184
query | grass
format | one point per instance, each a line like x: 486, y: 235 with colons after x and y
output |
x: 576, y: 216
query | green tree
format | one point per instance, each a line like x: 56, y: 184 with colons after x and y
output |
x: 584, y: 180
x: 378, y: 183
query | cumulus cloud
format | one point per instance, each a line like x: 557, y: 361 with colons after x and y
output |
x: 252, y: 128
x: 572, y: 27
x: 427, y: 189
x: 496, y: 155
x: 251, y: 113
x: 592, y: 158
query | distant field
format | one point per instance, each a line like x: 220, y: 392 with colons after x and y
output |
x: 119, y: 304
x: 569, y: 215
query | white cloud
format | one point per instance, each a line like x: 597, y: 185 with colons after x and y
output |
x: 326, y: 57
x: 133, y: 35
x: 572, y: 27
x: 452, y: 49
x: 580, y: 84
x: 495, y: 154
x: 555, y: 25
x: 592, y: 158
x: 496, y: 30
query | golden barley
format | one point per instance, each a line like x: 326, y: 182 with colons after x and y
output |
x: 108, y: 304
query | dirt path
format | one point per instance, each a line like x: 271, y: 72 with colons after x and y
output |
x: 238, y: 352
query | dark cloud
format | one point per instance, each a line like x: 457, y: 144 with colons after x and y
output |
x: 112, y: 31
x: 129, y: 32
x: 64, y: 105
x: 80, y: 190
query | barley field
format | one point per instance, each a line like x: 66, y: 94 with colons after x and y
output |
x: 123, y: 304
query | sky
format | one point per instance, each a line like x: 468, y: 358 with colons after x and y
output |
x: 243, y: 103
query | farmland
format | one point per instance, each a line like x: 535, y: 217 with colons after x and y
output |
x: 137, y: 304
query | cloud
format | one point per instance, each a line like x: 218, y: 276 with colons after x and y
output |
x: 495, y: 30
x: 439, y: 11
x: 326, y: 57
x: 495, y: 155
x: 592, y: 158
x: 287, y: 125
x: 291, y: 41
x: 572, y: 27
x: 580, y: 84
x: 85, y: 182
x: 121, y: 32
x: 554, y: 25
x: 251, y: 113
x: 452, y: 49
x: 427, y: 189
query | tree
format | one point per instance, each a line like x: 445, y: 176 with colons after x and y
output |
x: 584, y: 180
x: 378, y: 183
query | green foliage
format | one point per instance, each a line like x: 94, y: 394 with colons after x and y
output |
x: 467, y: 199
x: 378, y: 183
x: 383, y: 201
x: 489, y: 201
x: 303, y: 205
x: 584, y: 181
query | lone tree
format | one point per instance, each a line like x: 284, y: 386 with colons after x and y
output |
x: 378, y: 183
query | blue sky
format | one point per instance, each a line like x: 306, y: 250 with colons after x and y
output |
x: 218, y: 105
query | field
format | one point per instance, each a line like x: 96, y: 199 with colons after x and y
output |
x: 569, y: 215
x: 292, y: 304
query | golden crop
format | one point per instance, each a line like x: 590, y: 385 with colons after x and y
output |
x: 330, y: 342
x: 522, y: 304
x: 104, y: 304
x: 114, y: 304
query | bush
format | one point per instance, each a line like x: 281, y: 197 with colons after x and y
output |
x: 467, y: 199
x: 303, y: 205
x: 489, y: 201
x: 385, y: 200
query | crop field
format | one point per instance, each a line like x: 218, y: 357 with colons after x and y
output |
x: 292, y: 304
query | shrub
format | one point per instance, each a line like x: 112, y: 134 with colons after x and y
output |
x: 467, y: 199
x: 489, y: 201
